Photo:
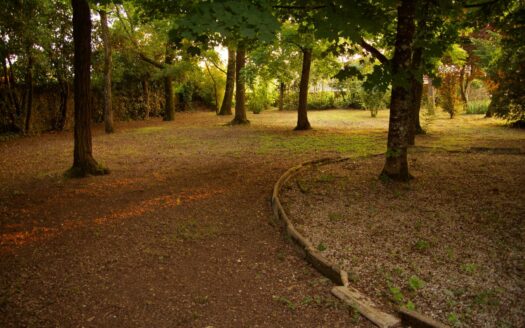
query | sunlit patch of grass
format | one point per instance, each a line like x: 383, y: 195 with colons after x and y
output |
x: 149, y: 129
x: 346, y: 145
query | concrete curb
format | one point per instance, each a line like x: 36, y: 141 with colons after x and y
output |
x: 346, y: 293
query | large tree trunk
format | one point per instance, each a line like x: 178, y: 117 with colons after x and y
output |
x: 83, y: 161
x: 145, y: 97
x: 396, y: 163
x: 226, y: 107
x: 240, y: 94
x: 108, y: 108
x: 302, y: 116
x: 415, y: 96
x: 282, y: 87
x: 169, y: 105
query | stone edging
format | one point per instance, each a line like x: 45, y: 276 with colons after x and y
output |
x: 340, y: 277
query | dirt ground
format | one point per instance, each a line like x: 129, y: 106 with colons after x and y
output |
x: 449, y: 244
x: 180, y: 233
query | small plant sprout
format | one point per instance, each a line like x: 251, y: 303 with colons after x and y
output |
x: 321, y: 247
x: 415, y: 283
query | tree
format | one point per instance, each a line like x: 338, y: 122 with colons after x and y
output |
x: 302, y: 115
x: 226, y: 107
x: 108, y: 108
x: 241, y: 22
x: 83, y: 161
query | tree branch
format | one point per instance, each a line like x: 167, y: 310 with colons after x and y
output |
x: 141, y: 55
x: 481, y: 4
x: 300, y: 7
x: 371, y: 49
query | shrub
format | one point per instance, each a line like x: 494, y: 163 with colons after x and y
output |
x: 477, y: 106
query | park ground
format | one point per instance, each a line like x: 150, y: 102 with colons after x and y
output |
x: 181, y: 232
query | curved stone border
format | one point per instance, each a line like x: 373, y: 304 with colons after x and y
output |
x: 340, y: 277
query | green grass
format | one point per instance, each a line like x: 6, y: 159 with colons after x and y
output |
x: 477, y: 106
x: 149, y: 129
x: 347, y: 145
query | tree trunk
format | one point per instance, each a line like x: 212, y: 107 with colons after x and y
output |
x: 282, y: 87
x: 108, y: 108
x: 240, y: 94
x: 83, y: 161
x: 226, y: 107
x: 431, y: 96
x: 169, y: 105
x: 29, y: 91
x: 396, y: 163
x: 415, y: 96
x: 302, y: 115
x: 64, y: 105
x: 145, y: 97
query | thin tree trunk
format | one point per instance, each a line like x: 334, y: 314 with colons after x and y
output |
x: 431, y: 96
x: 396, y: 163
x: 216, y: 109
x: 29, y: 91
x: 282, y: 86
x: 226, y: 107
x: 145, y: 97
x: 302, y: 115
x: 83, y: 161
x: 415, y: 96
x: 108, y: 108
x: 64, y: 105
x: 240, y: 94
x: 169, y: 106
x: 12, y: 98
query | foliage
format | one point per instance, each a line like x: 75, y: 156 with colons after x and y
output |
x: 478, y: 107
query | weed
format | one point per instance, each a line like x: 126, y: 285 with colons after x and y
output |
x: 202, y: 299
x: 193, y: 230
x: 395, y: 294
x: 469, y: 268
x: 307, y: 300
x: 486, y: 297
x: 303, y: 186
x: 335, y: 217
x: 453, y: 319
x: 422, y: 245
x: 283, y: 300
x: 321, y: 247
x: 415, y: 283
x: 326, y: 177
x: 409, y: 305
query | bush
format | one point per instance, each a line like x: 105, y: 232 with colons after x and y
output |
x: 477, y: 106
x: 260, y: 98
x: 375, y: 100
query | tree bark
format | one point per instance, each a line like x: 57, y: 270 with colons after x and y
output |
x: 145, y: 97
x: 83, y: 161
x: 240, y: 94
x: 64, y: 105
x: 396, y: 163
x: 28, y: 96
x: 415, y: 96
x: 282, y: 87
x: 108, y: 108
x: 169, y: 105
x: 431, y: 96
x: 302, y: 115
x: 226, y: 107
